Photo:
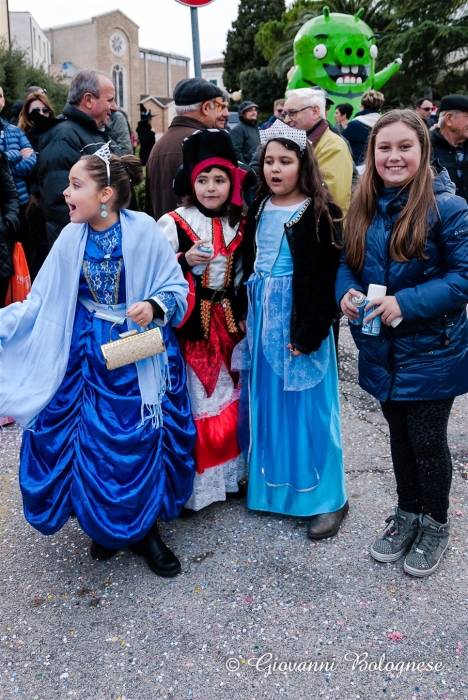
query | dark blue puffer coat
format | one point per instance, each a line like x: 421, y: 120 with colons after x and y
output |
x: 12, y: 140
x: 426, y: 356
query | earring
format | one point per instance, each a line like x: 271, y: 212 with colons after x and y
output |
x: 104, y: 213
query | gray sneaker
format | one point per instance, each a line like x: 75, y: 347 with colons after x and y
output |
x: 428, y: 547
x: 397, y: 537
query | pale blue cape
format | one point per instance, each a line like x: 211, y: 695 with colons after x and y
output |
x: 35, y: 335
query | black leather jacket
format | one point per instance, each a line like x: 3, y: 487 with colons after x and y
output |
x: 73, y: 136
x: 9, y: 221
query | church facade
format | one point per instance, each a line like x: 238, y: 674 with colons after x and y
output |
x: 109, y: 42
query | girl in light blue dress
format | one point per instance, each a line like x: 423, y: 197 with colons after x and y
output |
x: 291, y: 256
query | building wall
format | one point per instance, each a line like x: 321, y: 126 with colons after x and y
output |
x: 4, y: 24
x: 214, y: 74
x: 26, y: 34
x: 75, y: 43
x: 178, y: 73
x: 118, y: 47
x: 109, y: 42
x: 157, y: 75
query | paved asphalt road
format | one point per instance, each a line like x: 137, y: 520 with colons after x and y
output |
x: 254, y: 591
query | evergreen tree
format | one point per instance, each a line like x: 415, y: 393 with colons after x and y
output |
x: 16, y: 74
x: 431, y: 36
x: 263, y: 86
x: 242, y: 53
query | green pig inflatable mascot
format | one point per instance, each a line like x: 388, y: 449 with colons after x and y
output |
x: 337, y: 52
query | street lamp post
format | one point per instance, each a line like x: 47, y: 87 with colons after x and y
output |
x: 194, y: 5
x: 195, y: 42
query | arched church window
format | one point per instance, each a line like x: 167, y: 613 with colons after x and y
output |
x: 118, y: 80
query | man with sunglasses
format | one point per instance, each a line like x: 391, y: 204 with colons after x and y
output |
x: 424, y: 108
x: 199, y: 105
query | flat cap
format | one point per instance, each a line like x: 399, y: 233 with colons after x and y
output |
x: 191, y: 91
x: 452, y: 102
x: 247, y: 104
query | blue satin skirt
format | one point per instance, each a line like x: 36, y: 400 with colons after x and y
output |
x: 87, y: 452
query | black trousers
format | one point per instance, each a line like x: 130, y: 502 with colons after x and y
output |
x: 421, y: 455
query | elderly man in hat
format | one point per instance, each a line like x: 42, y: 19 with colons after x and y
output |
x: 244, y: 136
x: 450, y: 141
x: 198, y: 105
x: 305, y: 109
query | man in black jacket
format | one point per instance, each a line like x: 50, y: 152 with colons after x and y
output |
x: 450, y: 141
x: 9, y: 223
x: 81, y: 131
x: 244, y: 135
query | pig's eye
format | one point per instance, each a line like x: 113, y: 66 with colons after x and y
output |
x: 320, y: 51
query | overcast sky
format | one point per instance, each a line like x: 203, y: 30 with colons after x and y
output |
x: 164, y: 24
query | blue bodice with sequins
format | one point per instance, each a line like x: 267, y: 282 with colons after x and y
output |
x: 102, y: 277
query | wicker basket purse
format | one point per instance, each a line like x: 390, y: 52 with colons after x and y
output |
x: 132, y: 346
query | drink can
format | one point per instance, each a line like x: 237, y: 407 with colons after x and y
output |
x: 373, y: 327
x: 359, y: 301
x: 204, y: 248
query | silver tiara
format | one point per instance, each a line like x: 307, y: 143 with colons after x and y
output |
x: 104, y: 154
x: 280, y: 130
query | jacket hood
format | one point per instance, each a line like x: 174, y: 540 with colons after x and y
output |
x: 443, y: 183
x: 367, y: 117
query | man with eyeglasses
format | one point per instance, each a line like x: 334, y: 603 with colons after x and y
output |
x: 305, y: 109
x: 199, y: 105
x: 424, y: 108
x: 450, y: 141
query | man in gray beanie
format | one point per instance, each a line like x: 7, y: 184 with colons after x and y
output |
x: 198, y: 105
x: 244, y: 136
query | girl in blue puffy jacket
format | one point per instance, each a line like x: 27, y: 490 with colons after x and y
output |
x: 408, y: 231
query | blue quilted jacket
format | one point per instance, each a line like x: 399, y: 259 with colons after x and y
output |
x: 426, y: 356
x: 12, y: 140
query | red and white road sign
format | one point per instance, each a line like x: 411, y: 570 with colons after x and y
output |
x: 195, y: 3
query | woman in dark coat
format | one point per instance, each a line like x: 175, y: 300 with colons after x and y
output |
x: 9, y: 223
x: 146, y: 134
x: 36, y: 117
x: 408, y: 231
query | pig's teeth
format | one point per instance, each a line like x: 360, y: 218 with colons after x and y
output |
x: 359, y: 80
x: 354, y: 69
x: 347, y: 79
x: 339, y: 81
x: 352, y: 80
x: 345, y: 69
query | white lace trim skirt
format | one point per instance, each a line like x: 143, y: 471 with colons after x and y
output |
x: 216, y: 423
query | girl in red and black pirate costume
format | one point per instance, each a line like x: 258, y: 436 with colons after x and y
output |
x: 211, y: 217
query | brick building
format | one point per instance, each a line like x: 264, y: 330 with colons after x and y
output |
x: 26, y: 35
x: 109, y: 42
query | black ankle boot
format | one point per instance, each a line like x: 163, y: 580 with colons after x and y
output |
x: 160, y: 559
x: 101, y: 553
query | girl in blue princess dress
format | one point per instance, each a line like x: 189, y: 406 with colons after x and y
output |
x: 113, y: 447
x: 290, y: 259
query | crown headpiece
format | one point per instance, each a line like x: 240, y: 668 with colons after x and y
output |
x: 104, y: 154
x: 280, y: 130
